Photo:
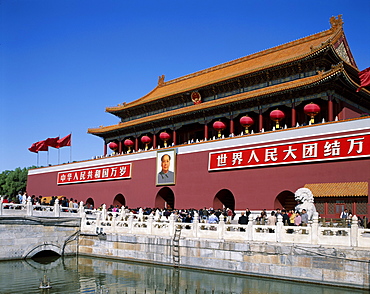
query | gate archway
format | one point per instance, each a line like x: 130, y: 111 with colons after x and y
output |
x: 90, y: 203
x: 119, y: 200
x: 165, y: 198
x: 286, y: 200
x: 224, y: 199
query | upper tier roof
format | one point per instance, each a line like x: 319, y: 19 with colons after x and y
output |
x: 288, y: 52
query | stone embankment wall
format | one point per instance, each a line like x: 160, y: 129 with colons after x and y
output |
x: 23, y: 237
x: 341, y: 266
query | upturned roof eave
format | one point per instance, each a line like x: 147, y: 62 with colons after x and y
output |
x: 230, y: 99
x: 328, y: 33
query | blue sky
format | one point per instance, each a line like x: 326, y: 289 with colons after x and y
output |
x: 63, y: 62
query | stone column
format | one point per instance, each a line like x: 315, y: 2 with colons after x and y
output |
x: 279, y: 228
x: 315, y: 228
x: 354, y: 231
x: 81, y: 209
x: 130, y: 222
x: 250, y: 228
x: 56, y: 208
x: 1, y: 206
x: 172, y: 225
x: 150, y: 224
x: 195, y: 224
x: 221, y: 228
x: 104, y: 213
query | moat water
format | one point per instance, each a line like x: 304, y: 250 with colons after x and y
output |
x: 97, y: 275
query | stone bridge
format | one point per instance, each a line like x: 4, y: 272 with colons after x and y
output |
x: 26, y: 236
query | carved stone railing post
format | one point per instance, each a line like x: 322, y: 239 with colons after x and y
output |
x: 98, y: 219
x: 56, y: 208
x: 104, y: 213
x: 29, y: 208
x: 195, y: 224
x: 279, y: 228
x: 150, y: 224
x: 315, y: 228
x: 250, y: 228
x: 221, y: 228
x: 81, y: 210
x: 130, y: 222
x: 354, y: 231
x: 172, y: 225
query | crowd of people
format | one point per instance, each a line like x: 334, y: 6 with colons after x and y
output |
x: 206, y: 215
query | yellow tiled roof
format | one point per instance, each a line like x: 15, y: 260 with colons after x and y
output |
x: 258, y: 61
x: 339, y: 189
x: 221, y: 101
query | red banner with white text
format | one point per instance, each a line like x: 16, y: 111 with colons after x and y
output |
x: 94, y: 174
x: 297, y: 152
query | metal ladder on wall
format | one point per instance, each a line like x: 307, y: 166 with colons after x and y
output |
x: 176, y: 247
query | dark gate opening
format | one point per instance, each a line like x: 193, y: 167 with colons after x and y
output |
x: 165, y: 198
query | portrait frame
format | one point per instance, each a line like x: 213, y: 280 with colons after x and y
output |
x: 164, y: 178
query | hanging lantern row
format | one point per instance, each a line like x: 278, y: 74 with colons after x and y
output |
x: 146, y: 141
x: 113, y: 146
x: 276, y: 115
x: 311, y: 110
x: 164, y: 136
x: 128, y: 143
x: 219, y: 126
x: 246, y: 122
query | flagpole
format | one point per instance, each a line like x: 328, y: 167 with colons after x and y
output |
x: 58, y: 151
x: 37, y: 159
x: 70, y: 150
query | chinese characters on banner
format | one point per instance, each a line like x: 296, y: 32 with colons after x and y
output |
x: 300, y: 152
x: 93, y: 174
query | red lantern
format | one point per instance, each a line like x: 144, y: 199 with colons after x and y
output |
x: 246, y: 122
x: 128, y: 143
x: 219, y: 126
x: 146, y: 140
x: 164, y: 137
x: 311, y: 110
x: 277, y: 115
x: 113, y: 146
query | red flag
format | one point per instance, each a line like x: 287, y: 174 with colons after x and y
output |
x: 33, y: 147
x: 52, y: 142
x: 41, y: 146
x: 66, y: 141
x: 364, y: 78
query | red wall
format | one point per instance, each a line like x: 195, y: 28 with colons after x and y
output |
x: 196, y: 187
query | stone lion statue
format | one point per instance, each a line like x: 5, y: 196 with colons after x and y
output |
x: 305, y: 199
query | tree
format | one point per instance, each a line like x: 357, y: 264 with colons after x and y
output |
x: 12, y: 182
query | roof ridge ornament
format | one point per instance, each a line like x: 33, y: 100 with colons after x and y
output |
x: 161, y: 81
x: 336, y: 22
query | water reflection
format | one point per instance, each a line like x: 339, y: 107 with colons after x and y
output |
x: 97, y: 275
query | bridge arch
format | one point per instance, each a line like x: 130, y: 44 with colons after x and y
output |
x: 32, y: 251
